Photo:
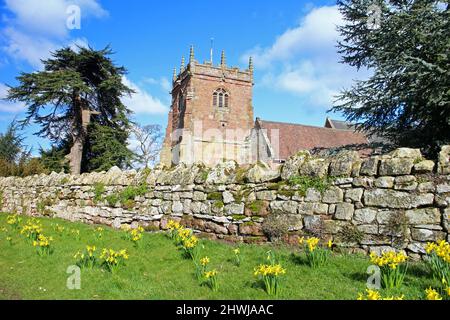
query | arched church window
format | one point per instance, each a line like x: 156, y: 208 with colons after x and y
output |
x: 221, y: 98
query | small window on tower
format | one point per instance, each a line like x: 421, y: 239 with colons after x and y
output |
x: 220, y: 98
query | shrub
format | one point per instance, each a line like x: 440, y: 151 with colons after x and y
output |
x: 286, y: 193
x: 99, y: 190
x: 127, y: 195
x: 303, y: 183
x: 350, y: 233
x: 215, y: 196
x: 255, y: 207
x: 42, y: 205
x: 218, y: 204
x: 275, y: 226
x: 112, y: 199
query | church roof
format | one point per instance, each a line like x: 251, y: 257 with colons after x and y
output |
x: 339, y: 124
x: 295, y: 137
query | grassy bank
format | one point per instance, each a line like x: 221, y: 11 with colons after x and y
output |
x: 157, y: 269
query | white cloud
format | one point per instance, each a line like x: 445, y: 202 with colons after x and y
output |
x: 141, y: 101
x: 6, y: 106
x: 22, y: 46
x: 38, y: 27
x: 304, y: 59
x: 163, y: 82
x: 316, y: 31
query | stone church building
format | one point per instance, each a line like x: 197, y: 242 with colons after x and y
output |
x: 211, y: 119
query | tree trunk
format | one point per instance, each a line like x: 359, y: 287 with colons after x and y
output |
x: 75, y: 156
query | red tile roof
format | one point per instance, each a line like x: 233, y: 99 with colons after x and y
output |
x: 295, y: 137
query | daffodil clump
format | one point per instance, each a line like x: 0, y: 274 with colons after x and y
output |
x: 432, y: 294
x: 184, y: 237
x: 75, y: 233
x: 59, y: 229
x: 201, y: 267
x: 113, y: 259
x: 136, y: 235
x: 43, y: 244
x: 10, y: 240
x: 14, y: 220
x: 211, y: 279
x: 438, y: 260
x: 32, y: 229
x: 86, y: 258
x: 173, y: 227
x: 270, y: 275
x: 375, y: 295
x: 190, y: 247
x: 442, y: 293
x: 316, y: 255
x: 237, y: 257
x: 98, y: 233
x: 393, y: 267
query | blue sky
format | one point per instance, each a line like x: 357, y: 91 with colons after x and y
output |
x: 292, y: 42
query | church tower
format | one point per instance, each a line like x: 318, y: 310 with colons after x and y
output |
x: 211, y: 115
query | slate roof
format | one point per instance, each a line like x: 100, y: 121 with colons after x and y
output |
x: 295, y: 137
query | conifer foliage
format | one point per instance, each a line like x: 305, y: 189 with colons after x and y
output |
x: 77, y: 90
x: 406, y: 45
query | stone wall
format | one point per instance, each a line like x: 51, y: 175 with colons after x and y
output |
x: 396, y: 200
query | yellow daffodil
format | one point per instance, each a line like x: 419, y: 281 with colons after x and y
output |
x: 432, y: 294
x: 204, y: 261
x: 269, y: 270
x: 330, y: 243
x: 388, y: 258
x: 447, y: 291
x: 210, y: 274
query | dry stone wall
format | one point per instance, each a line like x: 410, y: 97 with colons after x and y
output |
x: 396, y: 200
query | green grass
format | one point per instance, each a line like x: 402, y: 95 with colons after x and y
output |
x: 157, y: 270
